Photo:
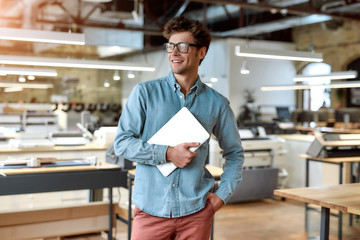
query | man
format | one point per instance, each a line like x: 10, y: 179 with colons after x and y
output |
x: 178, y: 206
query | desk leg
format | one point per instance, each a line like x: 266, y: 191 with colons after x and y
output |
x: 129, y: 208
x: 340, y: 226
x: 306, y: 217
x: 358, y: 180
x: 352, y: 178
x: 95, y: 195
x: 307, y: 173
x: 110, y: 214
x: 341, y: 167
x: 306, y: 185
x: 325, y: 221
x: 212, y: 229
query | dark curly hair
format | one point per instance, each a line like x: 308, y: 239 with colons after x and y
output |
x: 181, y: 24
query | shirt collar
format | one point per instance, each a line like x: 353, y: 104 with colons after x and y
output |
x: 199, y: 85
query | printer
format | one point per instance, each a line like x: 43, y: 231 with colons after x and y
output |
x: 329, y: 145
x: 68, y: 138
x: 264, y: 166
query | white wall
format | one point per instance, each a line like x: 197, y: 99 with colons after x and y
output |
x: 158, y: 59
x: 262, y: 72
x: 216, y: 64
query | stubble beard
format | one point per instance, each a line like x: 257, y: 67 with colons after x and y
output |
x: 178, y: 70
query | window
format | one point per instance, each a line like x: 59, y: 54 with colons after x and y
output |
x: 316, y: 97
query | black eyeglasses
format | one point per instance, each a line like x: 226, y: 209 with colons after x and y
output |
x: 182, y: 47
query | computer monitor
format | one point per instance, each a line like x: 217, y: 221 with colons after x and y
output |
x: 283, y: 114
x: 321, y: 116
x: 313, y: 116
x: 353, y: 113
x: 306, y: 116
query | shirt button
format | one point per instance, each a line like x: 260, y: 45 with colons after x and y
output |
x: 180, y: 96
x: 173, y: 185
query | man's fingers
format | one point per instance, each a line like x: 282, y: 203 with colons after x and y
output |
x: 192, y: 144
x: 181, y: 155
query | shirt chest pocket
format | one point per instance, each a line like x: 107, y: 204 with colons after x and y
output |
x: 207, y: 121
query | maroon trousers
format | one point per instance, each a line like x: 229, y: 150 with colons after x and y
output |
x: 195, y: 226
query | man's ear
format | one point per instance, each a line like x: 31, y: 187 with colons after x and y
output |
x: 202, y: 52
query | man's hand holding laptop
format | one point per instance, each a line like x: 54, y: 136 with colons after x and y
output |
x: 181, y: 154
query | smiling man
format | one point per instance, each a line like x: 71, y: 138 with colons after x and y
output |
x: 179, y: 206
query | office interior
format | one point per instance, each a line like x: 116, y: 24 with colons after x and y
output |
x: 60, y: 103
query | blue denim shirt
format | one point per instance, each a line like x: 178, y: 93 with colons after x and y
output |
x: 150, y: 105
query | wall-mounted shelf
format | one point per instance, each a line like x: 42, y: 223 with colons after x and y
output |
x: 28, y: 121
x: 11, y: 120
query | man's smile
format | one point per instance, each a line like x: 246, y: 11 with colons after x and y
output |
x: 176, y: 60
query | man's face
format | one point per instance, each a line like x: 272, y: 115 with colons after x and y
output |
x: 182, y: 63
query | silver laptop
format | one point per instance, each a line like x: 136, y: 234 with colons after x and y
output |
x: 183, y: 127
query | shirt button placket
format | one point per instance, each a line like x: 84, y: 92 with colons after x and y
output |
x: 182, y: 99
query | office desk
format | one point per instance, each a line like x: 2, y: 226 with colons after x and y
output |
x: 87, y: 147
x: 335, y: 160
x: 344, y: 198
x: 354, y: 209
x: 38, y: 180
x: 327, y: 129
x: 215, y: 172
x: 61, y: 152
x: 340, y: 161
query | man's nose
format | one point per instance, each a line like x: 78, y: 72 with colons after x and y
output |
x: 175, y: 51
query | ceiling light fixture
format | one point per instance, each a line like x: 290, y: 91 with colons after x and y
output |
x: 22, y: 79
x: 27, y: 85
x: 73, y: 63
x: 131, y: 74
x: 331, y: 76
x: 13, y: 89
x: 244, y: 69
x: 42, y: 36
x: 106, y: 83
x: 116, y: 76
x: 214, y: 79
x: 278, y: 54
x: 303, y: 87
x: 31, y: 77
x: 28, y: 71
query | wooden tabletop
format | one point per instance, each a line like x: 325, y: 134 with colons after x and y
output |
x: 343, y: 197
x: 354, y: 210
x: 215, y: 171
x: 56, y: 169
x: 86, y: 147
x: 327, y: 129
x: 332, y: 159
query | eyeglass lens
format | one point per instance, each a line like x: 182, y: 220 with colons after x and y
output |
x: 181, y: 47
